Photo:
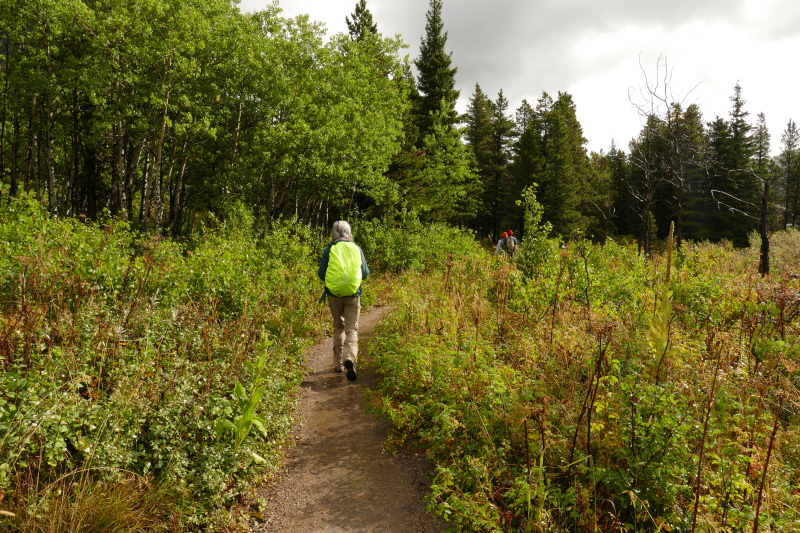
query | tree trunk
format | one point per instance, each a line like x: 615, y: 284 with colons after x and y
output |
x: 13, y: 190
x: 176, y: 197
x: 679, y: 220
x: 157, y: 175
x: 144, y: 205
x: 129, y: 179
x: 15, y: 159
x: 117, y: 169
x: 32, y: 169
x: 788, y: 192
x: 644, y: 239
x: 36, y: 170
x: 76, y: 200
x: 174, y: 185
x: 52, y: 198
x: 178, y: 200
x: 763, y: 266
x: 270, y: 204
x: 91, y: 173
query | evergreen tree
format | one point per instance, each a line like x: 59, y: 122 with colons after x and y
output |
x: 550, y: 152
x: 761, y: 142
x: 625, y: 216
x: 742, y: 142
x: 497, y: 189
x: 525, y: 150
x: 598, y: 199
x: 447, y: 188
x: 565, y: 171
x: 681, y: 151
x: 362, y: 24
x: 478, y: 135
x: 436, y: 78
x: 478, y: 131
x: 646, y: 178
x: 732, y: 181
x: 408, y: 162
x: 789, y: 165
x: 761, y: 171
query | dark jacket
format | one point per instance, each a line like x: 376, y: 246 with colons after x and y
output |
x: 323, y: 266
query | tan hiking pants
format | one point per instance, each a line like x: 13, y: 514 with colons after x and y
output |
x: 345, y: 313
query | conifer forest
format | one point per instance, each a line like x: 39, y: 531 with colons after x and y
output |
x: 169, y: 174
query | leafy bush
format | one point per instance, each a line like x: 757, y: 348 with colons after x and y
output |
x: 120, y: 352
x: 408, y: 244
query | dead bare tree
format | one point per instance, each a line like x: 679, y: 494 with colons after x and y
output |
x: 677, y: 129
x: 644, y: 185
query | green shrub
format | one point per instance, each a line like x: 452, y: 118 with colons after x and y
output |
x: 120, y: 352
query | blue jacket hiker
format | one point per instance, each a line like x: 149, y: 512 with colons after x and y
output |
x: 342, y: 268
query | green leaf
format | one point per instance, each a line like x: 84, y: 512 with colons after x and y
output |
x: 239, y: 392
x: 259, y: 424
x: 222, y: 426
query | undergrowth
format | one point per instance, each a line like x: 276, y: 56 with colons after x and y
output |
x: 587, y: 388
x: 120, y: 354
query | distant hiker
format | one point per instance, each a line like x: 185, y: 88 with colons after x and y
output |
x: 342, y: 268
x: 510, y: 244
x: 500, y: 243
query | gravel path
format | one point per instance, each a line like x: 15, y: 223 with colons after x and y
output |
x: 338, y: 478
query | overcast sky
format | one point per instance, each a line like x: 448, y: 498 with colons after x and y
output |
x: 592, y: 50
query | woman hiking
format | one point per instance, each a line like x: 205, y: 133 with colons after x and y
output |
x: 342, y: 268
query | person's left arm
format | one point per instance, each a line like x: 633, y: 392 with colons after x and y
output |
x: 364, y: 267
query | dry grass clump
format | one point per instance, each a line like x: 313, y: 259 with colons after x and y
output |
x: 81, y: 502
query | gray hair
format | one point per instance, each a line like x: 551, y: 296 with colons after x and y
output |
x: 341, y: 230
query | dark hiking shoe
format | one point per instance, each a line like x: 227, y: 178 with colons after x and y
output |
x: 351, y: 370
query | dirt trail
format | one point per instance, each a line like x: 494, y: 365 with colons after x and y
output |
x: 338, y: 479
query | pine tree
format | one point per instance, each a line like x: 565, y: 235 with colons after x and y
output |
x: 436, y: 79
x: 526, y: 146
x: 625, y: 216
x: 733, y: 182
x: 761, y: 139
x: 478, y: 135
x: 407, y: 164
x: 447, y: 187
x: 600, y: 196
x: 479, y: 128
x: 683, y: 145
x: 497, y: 197
x: 741, y: 132
x: 789, y: 164
x: 567, y: 169
x: 362, y: 24
x: 646, y: 178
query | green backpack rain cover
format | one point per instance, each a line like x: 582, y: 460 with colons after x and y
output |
x: 343, y: 277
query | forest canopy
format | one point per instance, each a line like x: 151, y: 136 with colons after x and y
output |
x: 161, y: 113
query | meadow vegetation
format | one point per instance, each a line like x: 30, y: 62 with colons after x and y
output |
x: 588, y: 388
x: 121, y: 354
